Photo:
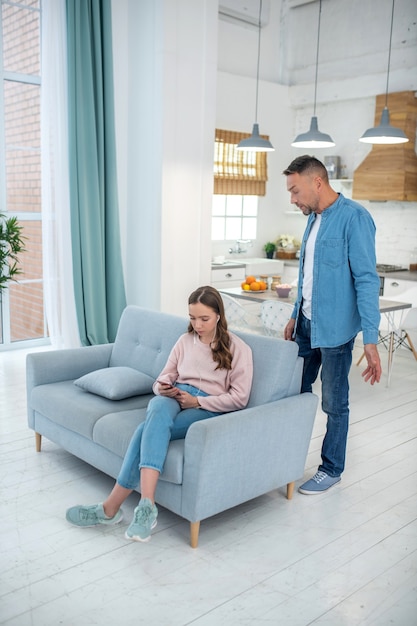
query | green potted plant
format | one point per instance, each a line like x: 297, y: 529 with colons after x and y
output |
x: 11, y: 245
x: 269, y: 248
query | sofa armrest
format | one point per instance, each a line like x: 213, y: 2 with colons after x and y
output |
x: 232, y: 458
x: 68, y: 364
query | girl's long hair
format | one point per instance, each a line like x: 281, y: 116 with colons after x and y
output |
x: 220, y: 346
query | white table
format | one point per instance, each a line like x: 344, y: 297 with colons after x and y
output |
x: 390, y: 338
x: 256, y: 296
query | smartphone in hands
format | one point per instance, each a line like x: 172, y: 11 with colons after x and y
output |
x: 166, y: 385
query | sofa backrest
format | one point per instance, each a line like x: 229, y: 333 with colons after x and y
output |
x: 145, y: 338
x: 277, y: 368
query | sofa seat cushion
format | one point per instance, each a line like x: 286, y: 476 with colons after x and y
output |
x: 69, y: 406
x: 115, y: 430
x: 116, y: 383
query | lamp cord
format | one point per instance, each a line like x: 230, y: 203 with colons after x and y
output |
x: 389, y: 54
x: 259, y: 56
x: 317, y: 60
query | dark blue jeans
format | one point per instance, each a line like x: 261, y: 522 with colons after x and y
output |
x: 335, y: 365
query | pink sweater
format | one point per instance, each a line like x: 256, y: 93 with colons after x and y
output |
x: 191, y: 362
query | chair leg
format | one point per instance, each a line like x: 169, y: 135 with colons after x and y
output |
x: 359, y: 362
x: 194, y: 531
x: 38, y: 442
x: 413, y: 350
x: 290, y: 490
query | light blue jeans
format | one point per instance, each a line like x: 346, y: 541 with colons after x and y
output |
x: 165, y: 421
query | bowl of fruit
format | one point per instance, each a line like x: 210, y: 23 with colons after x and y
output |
x: 283, y: 290
x: 252, y: 284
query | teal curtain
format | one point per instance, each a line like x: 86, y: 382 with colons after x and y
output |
x: 98, y: 277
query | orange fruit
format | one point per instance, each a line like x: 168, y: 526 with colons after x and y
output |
x: 255, y: 286
x: 262, y: 285
x: 250, y: 279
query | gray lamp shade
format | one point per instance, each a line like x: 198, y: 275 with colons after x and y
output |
x: 384, y: 133
x: 313, y: 138
x: 255, y: 143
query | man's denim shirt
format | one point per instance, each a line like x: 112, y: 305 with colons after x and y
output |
x: 345, y: 298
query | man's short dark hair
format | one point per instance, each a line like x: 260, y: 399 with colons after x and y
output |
x: 306, y: 164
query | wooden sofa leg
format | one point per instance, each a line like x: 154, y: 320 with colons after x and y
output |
x: 38, y: 442
x: 290, y: 490
x: 194, y: 531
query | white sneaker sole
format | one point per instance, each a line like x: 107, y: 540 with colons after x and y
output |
x: 308, y: 492
x: 137, y: 538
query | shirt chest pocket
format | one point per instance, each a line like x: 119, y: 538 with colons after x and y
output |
x: 333, y: 252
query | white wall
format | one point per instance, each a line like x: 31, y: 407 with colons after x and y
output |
x: 165, y: 75
x: 352, y: 71
x: 171, y: 92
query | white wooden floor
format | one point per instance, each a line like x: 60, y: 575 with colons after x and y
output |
x: 347, y: 557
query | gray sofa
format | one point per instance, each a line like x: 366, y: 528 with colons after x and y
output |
x: 223, y: 461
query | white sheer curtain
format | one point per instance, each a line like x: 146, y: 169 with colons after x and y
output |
x: 56, y: 227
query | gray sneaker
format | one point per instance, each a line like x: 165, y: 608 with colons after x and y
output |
x: 144, y: 519
x: 91, y: 515
x: 319, y: 483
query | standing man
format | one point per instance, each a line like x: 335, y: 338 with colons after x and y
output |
x: 338, y: 291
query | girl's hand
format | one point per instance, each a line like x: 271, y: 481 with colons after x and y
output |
x: 168, y: 390
x: 186, y: 400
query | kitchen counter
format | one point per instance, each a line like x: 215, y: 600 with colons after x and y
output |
x: 402, y: 275
x: 226, y: 264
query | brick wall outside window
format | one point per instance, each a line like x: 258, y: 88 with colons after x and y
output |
x: 21, y: 164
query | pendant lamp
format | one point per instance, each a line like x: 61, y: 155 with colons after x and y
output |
x: 255, y: 143
x: 314, y: 138
x: 384, y: 133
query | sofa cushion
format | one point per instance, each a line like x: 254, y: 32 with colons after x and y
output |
x: 70, y: 407
x: 116, y: 383
x: 115, y: 430
x: 273, y: 367
x: 144, y: 339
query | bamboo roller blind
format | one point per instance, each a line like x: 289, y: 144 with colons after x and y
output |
x: 236, y: 172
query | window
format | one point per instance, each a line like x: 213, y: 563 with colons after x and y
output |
x: 236, y: 172
x: 22, y: 313
x: 234, y: 217
x: 239, y: 178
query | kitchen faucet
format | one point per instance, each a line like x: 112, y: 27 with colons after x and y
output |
x: 238, y: 246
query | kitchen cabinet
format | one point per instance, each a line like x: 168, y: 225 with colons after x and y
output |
x: 222, y: 277
x: 290, y: 273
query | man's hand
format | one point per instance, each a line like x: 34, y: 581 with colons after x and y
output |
x: 289, y: 329
x: 373, y: 371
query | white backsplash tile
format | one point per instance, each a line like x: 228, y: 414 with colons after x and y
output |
x: 396, y: 228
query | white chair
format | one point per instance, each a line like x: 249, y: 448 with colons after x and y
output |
x: 237, y: 316
x: 408, y: 324
x: 274, y: 316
